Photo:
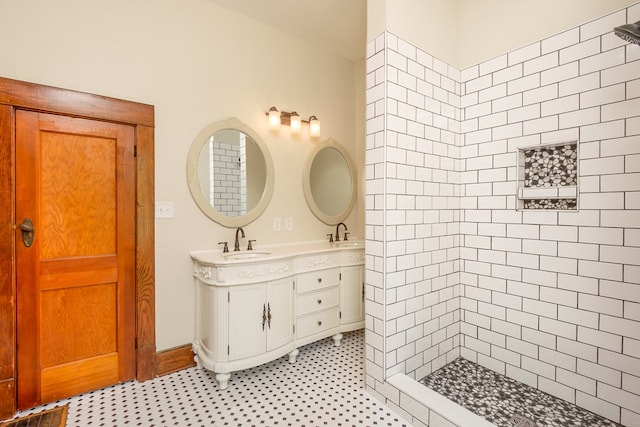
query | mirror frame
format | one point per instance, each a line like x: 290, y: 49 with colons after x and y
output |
x: 306, y: 183
x: 192, y: 174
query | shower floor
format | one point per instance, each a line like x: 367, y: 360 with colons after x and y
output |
x: 506, y: 402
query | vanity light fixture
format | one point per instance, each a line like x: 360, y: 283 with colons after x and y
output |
x: 292, y: 119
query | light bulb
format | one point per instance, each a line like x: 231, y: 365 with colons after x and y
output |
x: 295, y: 123
x: 274, y: 118
x: 314, y: 126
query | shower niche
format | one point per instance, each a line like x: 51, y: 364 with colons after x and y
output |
x: 548, y: 177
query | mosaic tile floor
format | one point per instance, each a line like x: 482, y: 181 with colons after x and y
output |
x: 323, y: 388
x: 498, y: 398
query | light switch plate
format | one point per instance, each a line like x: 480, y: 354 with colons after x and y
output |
x: 164, y: 209
x: 277, y: 223
x: 288, y: 223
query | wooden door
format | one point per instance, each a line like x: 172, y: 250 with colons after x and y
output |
x: 75, y: 181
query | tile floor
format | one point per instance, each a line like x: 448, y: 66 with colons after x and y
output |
x: 504, y: 401
x: 323, y: 388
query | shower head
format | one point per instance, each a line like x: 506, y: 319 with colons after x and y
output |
x: 629, y: 32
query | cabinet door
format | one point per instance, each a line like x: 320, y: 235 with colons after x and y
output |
x: 280, y: 313
x: 352, y: 294
x: 246, y: 333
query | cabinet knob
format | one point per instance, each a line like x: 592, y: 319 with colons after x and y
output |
x: 319, y: 301
x: 319, y: 322
x: 319, y: 279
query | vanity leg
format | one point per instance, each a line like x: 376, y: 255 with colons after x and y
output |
x: 293, y: 355
x: 223, y: 380
x: 337, y: 338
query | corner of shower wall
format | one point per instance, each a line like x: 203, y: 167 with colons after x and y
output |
x: 412, y: 227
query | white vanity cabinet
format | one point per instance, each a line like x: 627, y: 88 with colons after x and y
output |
x: 260, y: 318
x: 253, y: 307
x: 352, y: 297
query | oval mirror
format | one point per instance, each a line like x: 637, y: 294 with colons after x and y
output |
x: 230, y: 173
x: 329, y: 182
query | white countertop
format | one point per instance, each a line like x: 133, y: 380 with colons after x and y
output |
x: 273, y: 252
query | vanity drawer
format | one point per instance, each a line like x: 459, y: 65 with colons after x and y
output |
x: 315, y: 280
x: 314, y: 301
x: 318, y: 322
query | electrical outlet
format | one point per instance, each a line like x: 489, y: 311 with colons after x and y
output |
x: 277, y: 223
x: 288, y: 223
x: 164, y: 209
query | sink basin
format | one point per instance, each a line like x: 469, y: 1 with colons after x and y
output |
x: 246, y: 255
x: 350, y: 244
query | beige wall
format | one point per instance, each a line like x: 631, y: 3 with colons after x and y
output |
x: 489, y: 28
x: 463, y: 33
x: 197, y: 63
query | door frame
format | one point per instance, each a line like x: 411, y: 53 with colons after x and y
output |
x: 15, y: 94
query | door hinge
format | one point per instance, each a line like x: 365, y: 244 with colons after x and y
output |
x: 135, y: 151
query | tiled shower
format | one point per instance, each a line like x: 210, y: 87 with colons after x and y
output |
x: 469, y: 254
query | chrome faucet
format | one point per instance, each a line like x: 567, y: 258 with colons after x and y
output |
x: 236, y: 246
x: 338, y: 231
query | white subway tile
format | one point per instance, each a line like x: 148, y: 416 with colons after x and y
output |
x: 575, y: 348
x: 620, y: 326
x: 618, y: 146
x: 620, y: 254
x: 559, y: 296
x: 523, y: 289
x: 600, y: 338
x: 580, y: 50
x: 602, y: 96
x: 629, y: 418
x: 599, y: 131
x: 603, y: 166
x: 620, y: 73
x: 578, y: 250
x: 544, y: 93
x: 559, y: 233
x: 602, y: 61
x: 540, y: 247
x: 578, y: 317
x: 523, y: 54
x: 524, y: 84
x: 628, y: 218
x: 511, y: 73
x: 542, y: 339
x: 577, y: 283
x: 539, y: 277
x: 492, y: 120
x: 558, y: 74
x: 541, y: 368
x: 598, y: 406
x: 600, y: 270
x: 579, y: 84
x: 521, y: 318
x: 545, y: 124
x: 621, y: 110
x: 580, y: 118
x: 621, y: 182
x: 602, y: 25
x: 621, y: 397
x: 576, y: 381
x: 560, y: 105
x: 541, y: 63
x: 560, y: 41
x: 600, y: 304
x: 560, y: 265
x: 612, y: 236
x: 506, y: 103
x: 600, y: 373
x: 616, y: 360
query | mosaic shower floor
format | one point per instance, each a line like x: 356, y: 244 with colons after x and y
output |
x: 506, y: 402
